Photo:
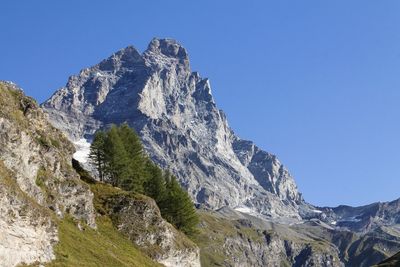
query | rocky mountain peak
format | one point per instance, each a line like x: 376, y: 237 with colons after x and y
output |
x: 168, y: 47
x: 162, y: 53
x: 127, y: 57
x: 181, y: 127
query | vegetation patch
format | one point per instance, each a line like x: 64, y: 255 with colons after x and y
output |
x: 102, y: 247
x: 118, y: 156
x: 213, y: 232
x: 14, y: 104
x: 42, y: 178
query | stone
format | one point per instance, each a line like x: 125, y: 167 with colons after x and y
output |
x: 182, y: 129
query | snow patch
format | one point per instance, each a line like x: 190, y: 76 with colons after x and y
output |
x: 98, y: 74
x: 247, y: 210
x: 82, y: 150
x: 316, y: 211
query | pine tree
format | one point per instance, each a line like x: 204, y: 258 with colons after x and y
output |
x: 137, y: 159
x: 97, y: 154
x: 131, y: 141
x: 116, y: 158
x: 154, y: 186
x: 177, y: 206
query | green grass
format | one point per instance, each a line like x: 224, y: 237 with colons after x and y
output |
x: 41, y: 177
x: 10, y: 103
x: 42, y: 140
x: 211, y: 238
x: 25, y: 115
x: 105, y: 195
x: 107, y: 198
x: 102, y: 247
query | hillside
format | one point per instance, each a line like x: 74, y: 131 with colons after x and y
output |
x: 50, y: 215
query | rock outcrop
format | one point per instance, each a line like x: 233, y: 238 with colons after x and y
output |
x: 38, y: 184
x: 173, y: 111
x: 28, y: 232
x: 139, y: 219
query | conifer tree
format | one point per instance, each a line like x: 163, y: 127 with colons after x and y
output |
x: 116, y: 158
x: 97, y: 154
x: 137, y: 159
x: 154, y: 186
x: 131, y: 140
x: 119, y: 158
x: 177, y: 206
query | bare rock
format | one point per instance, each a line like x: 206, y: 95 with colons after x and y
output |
x: 174, y: 112
x: 139, y: 219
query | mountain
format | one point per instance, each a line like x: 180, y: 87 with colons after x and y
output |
x: 391, y: 262
x: 364, y: 218
x: 173, y: 110
x: 50, y: 215
x: 231, y: 238
x: 248, y: 201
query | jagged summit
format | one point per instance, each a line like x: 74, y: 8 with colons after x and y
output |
x: 127, y: 57
x: 167, y: 54
x: 167, y: 51
x: 173, y: 111
x: 168, y: 47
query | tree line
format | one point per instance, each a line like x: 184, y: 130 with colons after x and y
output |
x: 118, y: 156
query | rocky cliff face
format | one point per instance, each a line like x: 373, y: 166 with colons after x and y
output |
x: 139, y: 219
x: 173, y: 110
x: 27, y: 231
x: 37, y: 181
x: 48, y: 211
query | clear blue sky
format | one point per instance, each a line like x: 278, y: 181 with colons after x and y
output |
x: 315, y: 82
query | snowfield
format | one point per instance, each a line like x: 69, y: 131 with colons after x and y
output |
x: 82, y: 150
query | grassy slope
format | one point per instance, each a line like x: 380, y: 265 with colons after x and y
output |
x: 102, y: 247
x: 215, y: 229
x: 211, y: 238
x: 212, y: 253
